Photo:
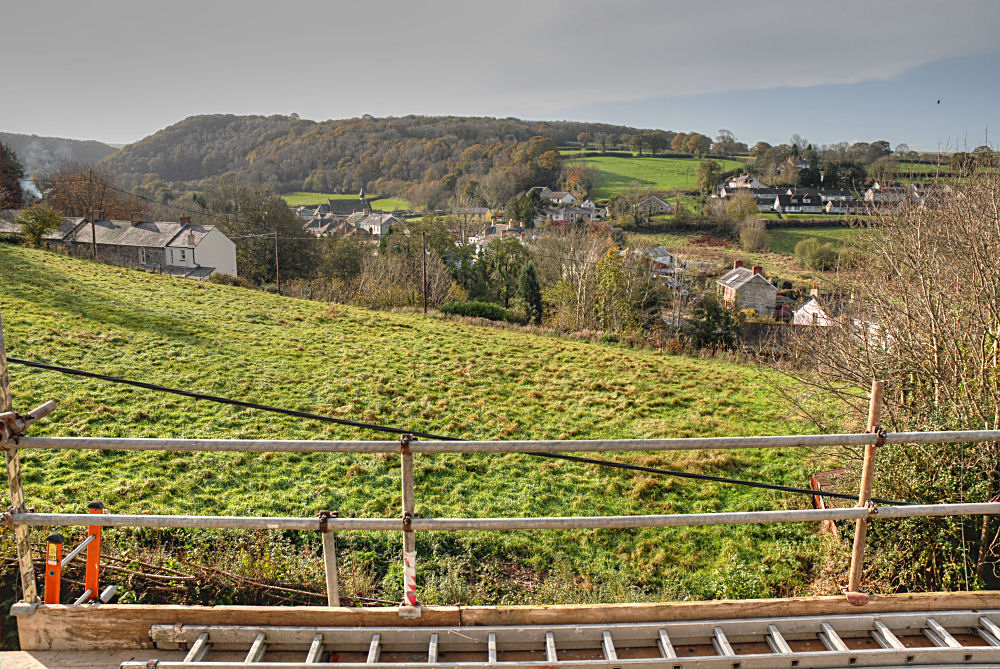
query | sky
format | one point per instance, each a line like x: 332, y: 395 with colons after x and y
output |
x: 851, y: 70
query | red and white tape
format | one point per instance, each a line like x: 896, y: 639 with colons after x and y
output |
x: 410, y: 578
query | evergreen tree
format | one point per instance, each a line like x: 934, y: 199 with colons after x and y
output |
x: 11, y: 173
x: 531, y: 292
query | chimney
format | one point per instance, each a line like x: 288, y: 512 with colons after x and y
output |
x: 757, y: 269
x: 185, y: 220
x: 737, y: 264
x: 815, y: 291
x: 135, y: 218
x: 191, y: 238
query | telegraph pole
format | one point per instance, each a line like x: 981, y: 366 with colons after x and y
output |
x: 423, y: 266
x: 277, y: 270
x: 93, y: 226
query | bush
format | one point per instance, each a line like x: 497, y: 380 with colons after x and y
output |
x: 811, y: 253
x: 475, y: 309
x: 229, y: 280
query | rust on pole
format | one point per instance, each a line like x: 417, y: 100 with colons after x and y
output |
x: 22, y: 533
x: 854, y: 594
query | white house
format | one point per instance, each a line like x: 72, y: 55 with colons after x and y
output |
x: 197, y: 246
x: 562, y: 197
x: 376, y: 225
x: 744, y: 181
x: 812, y: 313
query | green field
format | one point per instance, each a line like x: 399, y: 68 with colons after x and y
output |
x: 300, y: 198
x: 923, y: 169
x: 783, y: 240
x: 657, y: 173
x: 425, y: 373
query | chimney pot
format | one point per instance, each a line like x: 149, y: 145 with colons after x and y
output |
x: 737, y: 264
x: 815, y: 291
x: 757, y: 269
x: 185, y: 220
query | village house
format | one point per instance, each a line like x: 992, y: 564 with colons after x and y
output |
x: 562, y: 197
x: 654, y: 205
x: 543, y: 192
x: 177, y: 248
x: 798, y: 202
x: 819, y: 310
x: 494, y: 232
x: 885, y: 193
x: 568, y: 215
x: 377, y: 225
x: 744, y: 181
x: 845, y: 207
x: 748, y: 288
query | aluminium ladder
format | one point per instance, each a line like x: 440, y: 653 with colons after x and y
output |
x: 928, y: 639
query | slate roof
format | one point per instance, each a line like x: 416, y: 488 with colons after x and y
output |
x: 8, y: 226
x: 739, y: 277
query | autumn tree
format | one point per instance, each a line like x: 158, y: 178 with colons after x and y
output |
x: 679, y: 142
x: 78, y: 190
x: 698, y: 144
x: 583, y: 138
x: 707, y: 175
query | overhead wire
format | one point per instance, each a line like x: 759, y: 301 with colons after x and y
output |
x: 427, y: 435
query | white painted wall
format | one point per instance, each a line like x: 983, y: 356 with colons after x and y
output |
x: 218, y: 251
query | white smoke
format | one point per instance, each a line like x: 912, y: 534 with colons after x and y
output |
x: 29, y: 187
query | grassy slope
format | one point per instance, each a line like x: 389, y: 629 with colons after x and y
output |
x: 407, y: 370
x: 783, y: 240
x: 300, y: 198
x: 657, y: 173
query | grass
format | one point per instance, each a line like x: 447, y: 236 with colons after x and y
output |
x: 905, y: 168
x: 783, y: 240
x: 657, y: 173
x: 426, y: 373
x: 300, y: 198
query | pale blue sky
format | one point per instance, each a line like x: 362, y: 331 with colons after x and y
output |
x: 117, y: 70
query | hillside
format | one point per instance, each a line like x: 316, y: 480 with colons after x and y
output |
x: 614, y: 173
x: 43, y: 154
x: 427, y: 373
x: 412, y: 157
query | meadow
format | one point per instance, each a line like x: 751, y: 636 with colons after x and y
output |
x: 615, y: 173
x: 427, y: 373
x: 301, y: 198
x: 783, y: 240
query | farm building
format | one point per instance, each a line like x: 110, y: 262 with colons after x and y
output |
x: 653, y: 205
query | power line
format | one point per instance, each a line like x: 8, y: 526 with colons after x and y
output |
x: 426, y: 435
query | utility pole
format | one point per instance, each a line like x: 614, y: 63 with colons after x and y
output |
x: 93, y: 226
x: 423, y: 266
x: 277, y: 270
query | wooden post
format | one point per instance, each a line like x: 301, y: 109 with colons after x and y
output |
x: 330, y: 558
x: 423, y: 268
x: 22, y: 534
x: 865, y: 494
x: 277, y: 269
x: 409, y: 542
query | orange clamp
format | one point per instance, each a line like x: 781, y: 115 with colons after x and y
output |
x: 92, y: 579
x: 53, y: 567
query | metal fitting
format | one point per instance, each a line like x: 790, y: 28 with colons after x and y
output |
x: 407, y: 521
x: 404, y: 444
x: 880, y: 436
x: 324, y: 517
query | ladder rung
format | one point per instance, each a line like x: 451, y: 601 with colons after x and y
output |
x: 776, y: 641
x: 374, y: 649
x: 432, y: 649
x: 939, y: 635
x: 721, y: 643
x: 550, y: 647
x: 198, y: 649
x: 608, y: 647
x: 315, y: 650
x: 492, y: 648
x: 832, y: 640
x: 665, y: 645
x: 989, y: 631
x: 885, y: 637
x: 257, y: 649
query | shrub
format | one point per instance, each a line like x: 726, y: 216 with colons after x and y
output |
x: 811, y: 253
x: 229, y: 280
x: 475, y: 309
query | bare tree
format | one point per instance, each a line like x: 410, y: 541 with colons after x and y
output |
x: 920, y: 298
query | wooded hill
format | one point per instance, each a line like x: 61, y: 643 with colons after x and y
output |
x: 424, y: 159
x: 41, y: 155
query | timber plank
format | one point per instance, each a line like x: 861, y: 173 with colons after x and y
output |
x: 118, y: 626
x: 722, y: 609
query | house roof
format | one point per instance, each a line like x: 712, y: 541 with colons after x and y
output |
x: 740, y: 276
x: 151, y: 234
x: 559, y: 194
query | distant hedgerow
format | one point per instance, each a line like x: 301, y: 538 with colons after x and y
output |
x: 476, y: 309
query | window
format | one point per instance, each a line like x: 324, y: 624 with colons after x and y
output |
x: 183, y: 255
x: 145, y: 257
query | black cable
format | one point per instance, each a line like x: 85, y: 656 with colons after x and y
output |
x: 427, y: 435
